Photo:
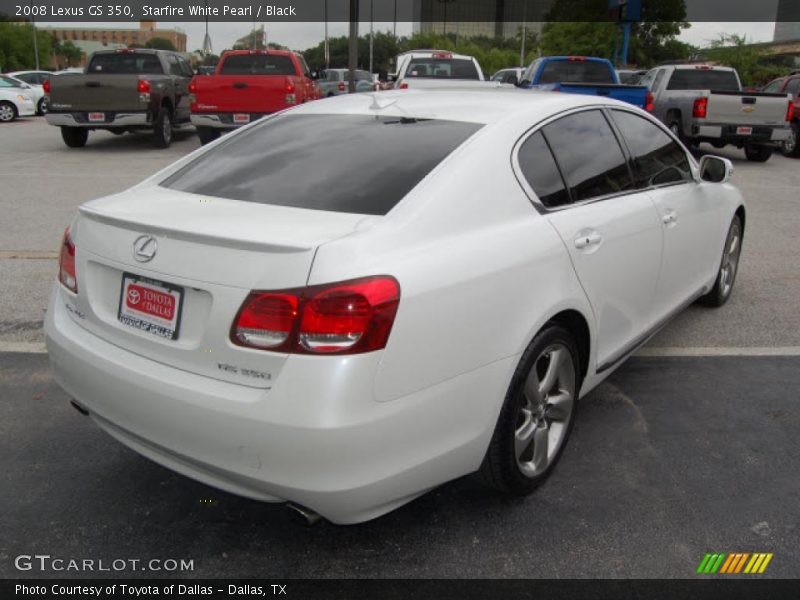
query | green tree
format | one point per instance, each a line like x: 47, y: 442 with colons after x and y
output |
x: 755, y: 68
x: 16, y: 46
x: 69, y: 51
x: 159, y: 43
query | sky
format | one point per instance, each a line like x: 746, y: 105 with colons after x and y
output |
x: 300, y: 36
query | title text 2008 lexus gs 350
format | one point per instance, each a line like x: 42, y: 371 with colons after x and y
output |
x: 351, y: 302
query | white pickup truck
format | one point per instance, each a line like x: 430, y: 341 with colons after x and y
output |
x: 702, y: 103
x: 437, y: 69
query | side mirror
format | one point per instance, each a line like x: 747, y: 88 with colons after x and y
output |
x: 715, y: 169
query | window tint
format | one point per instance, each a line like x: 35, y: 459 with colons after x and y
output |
x: 442, y: 68
x: 290, y: 160
x: 540, y: 170
x: 703, y: 79
x: 793, y: 87
x: 28, y: 78
x: 7, y: 82
x: 257, y: 64
x: 657, y: 158
x: 120, y: 63
x: 576, y: 71
x: 589, y: 155
x: 774, y: 87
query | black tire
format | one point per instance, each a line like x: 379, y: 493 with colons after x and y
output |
x: 8, y: 112
x: 723, y: 284
x: 162, y: 128
x: 41, y: 107
x: 501, y: 467
x: 74, y: 137
x: 791, y: 147
x: 756, y: 153
x: 207, y: 135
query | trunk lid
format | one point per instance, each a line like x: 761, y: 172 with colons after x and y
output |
x: 209, y: 253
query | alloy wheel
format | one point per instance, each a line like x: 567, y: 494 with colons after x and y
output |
x: 548, y: 398
x: 6, y: 112
x: 730, y: 260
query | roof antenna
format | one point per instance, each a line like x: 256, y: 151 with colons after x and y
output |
x: 378, y: 106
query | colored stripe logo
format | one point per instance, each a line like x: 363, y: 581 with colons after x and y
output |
x: 734, y: 563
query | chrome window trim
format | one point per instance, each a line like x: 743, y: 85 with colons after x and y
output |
x: 536, y: 127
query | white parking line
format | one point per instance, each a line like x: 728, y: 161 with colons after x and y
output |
x: 23, y: 347
x: 729, y: 351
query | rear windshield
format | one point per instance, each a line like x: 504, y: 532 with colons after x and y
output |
x: 361, y: 164
x: 576, y: 71
x: 442, y: 68
x: 700, y: 79
x: 257, y: 64
x: 120, y: 63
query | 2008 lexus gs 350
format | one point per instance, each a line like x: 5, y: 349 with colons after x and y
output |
x: 353, y: 301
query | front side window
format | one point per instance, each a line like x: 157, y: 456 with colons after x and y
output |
x: 589, y: 155
x: 541, y: 172
x: 290, y: 160
x: 774, y: 87
x: 658, y: 160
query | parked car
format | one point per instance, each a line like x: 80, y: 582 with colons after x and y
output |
x: 246, y: 85
x: 436, y: 69
x: 36, y: 80
x: 702, y: 103
x: 630, y: 76
x: 122, y: 90
x: 512, y: 75
x: 583, y: 75
x: 15, y: 101
x: 36, y: 92
x: 334, y: 82
x: 789, y: 85
x: 274, y: 326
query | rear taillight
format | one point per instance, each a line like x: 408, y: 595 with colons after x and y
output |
x: 700, y: 108
x: 66, y: 263
x: 143, y: 86
x: 403, y: 86
x: 46, y: 86
x: 289, y: 86
x: 648, y: 101
x: 341, y: 86
x: 349, y: 317
x: 790, y: 112
x: 193, y: 87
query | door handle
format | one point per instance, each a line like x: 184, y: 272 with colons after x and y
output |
x: 584, y: 240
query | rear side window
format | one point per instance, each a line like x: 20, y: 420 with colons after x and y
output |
x: 291, y: 160
x: 541, y: 172
x: 575, y: 71
x: 703, y: 79
x: 658, y: 160
x: 793, y: 87
x: 122, y: 63
x: 589, y: 155
x: 257, y: 64
x: 442, y: 68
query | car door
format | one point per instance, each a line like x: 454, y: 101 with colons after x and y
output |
x: 611, y: 231
x: 689, y: 214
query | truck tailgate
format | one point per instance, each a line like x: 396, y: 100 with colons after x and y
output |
x: 95, y: 92
x: 242, y: 93
x: 746, y: 108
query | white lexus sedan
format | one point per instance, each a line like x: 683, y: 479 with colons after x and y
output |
x: 351, y: 302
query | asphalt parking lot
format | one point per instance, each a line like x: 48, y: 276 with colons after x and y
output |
x: 688, y: 448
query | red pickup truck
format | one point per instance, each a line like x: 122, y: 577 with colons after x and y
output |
x: 246, y: 85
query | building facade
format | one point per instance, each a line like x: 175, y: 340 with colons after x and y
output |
x: 116, y: 37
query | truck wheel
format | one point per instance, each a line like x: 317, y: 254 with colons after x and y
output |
x: 676, y: 128
x: 207, y: 135
x: 162, y: 136
x: 74, y: 137
x: 8, y: 112
x: 791, y: 147
x: 757, y: 153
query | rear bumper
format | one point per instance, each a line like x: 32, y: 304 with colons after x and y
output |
x: 317, y: 438
x: 80, y: 119
x: 762, y: 134
x: 222, y: 120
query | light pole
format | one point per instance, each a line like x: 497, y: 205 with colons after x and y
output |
x: 327, y: 48
x: 524, y: 31
x: 352, y: 54
x: 35, y: 41
x: 370, y: 38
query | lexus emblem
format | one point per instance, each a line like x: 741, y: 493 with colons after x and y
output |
x: 144, y: 248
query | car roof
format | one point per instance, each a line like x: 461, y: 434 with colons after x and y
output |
x: 488, y: 106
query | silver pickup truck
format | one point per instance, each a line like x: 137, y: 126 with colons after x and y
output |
x: 701, y: 103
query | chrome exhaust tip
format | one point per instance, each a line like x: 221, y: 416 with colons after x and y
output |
x: 308, y: 516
